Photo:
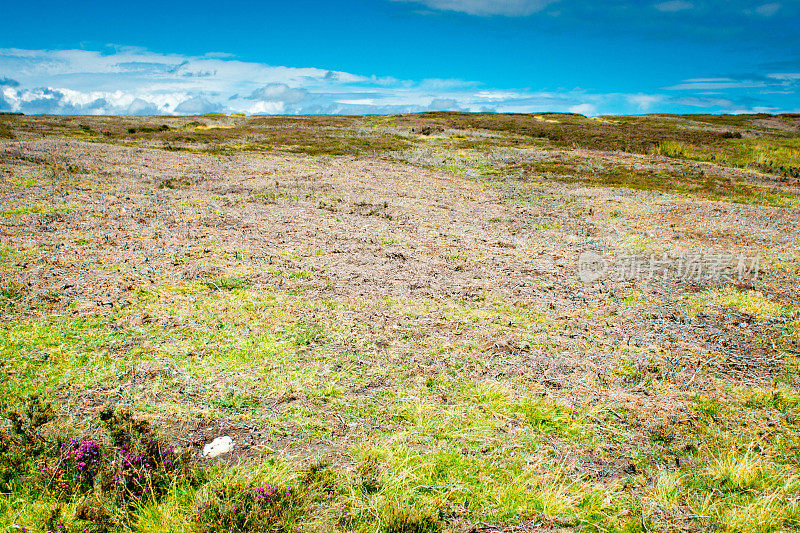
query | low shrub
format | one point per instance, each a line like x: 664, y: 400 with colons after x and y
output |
x: 22, y: 440
x: 104, y: 478
x: 246, y: 507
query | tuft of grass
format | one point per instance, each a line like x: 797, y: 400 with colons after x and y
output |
x: 551, y: 418
x: 5, y: 131
x: 780, y: 400
x: 301, y: 274
x: 668, y: 488
x: 551, y: 225
x: 227, y: 283
x: 235, y: 401
x: 10, y: 295
x: 709, y: 407
x: 674, y: 149
x: 405, y: 517
x: 308, y: 334
x: 735, y: 471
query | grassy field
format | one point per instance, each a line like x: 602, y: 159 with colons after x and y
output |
x: 392, y: 327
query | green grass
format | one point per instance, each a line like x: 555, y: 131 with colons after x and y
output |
x: 489, y: 453
x: 692, y: 183
x: 23, y: 210
x: 227, y: 283
x: 779, y: 156
x: 750, y: 302
x: 36, y: 209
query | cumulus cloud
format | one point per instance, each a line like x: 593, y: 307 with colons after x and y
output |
x: 129, y: 81
x: 445, y: 104
x: 278, y: 92
x: 507, y: 8
x: 674, y: 6
x: 198, y: 105
x: 583, y: 109
x: 644, y: 102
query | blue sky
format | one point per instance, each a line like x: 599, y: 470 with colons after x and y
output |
x: 392, y: 56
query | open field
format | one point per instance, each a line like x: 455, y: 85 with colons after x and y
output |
x: 392, y: 326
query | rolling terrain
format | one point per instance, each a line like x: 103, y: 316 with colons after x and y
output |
x: 392, y: 319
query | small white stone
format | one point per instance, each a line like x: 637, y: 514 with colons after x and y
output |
x: 219, y: 446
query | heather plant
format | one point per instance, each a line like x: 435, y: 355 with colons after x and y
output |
x: 79, y: 463
x: 136, y: 465
x: 106, y: 479
x: 245, y: 507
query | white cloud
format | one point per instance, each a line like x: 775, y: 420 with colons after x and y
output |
x: 788, y: 76
x: 508, y: 8
x: 267, y: 108
x: 673, y: 6
x: 357, y: 101
x: 583, y: 109
x: 645, y: 101
x: 499, y: 95
x: 198, y: 105
x: 134, y: 81
x: 756, y: 109
x: 137, y: 81
x: 278, y: 92
x: 767, y: 10
x: 715, y: 84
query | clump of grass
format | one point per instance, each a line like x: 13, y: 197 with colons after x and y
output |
x: 674, y: 149
x: 631, y: 373
x: 662, y: 434
x: 550, y: 417
x: 668, y: 488
x: 368, y: 474
x: 308, y: 334
x: 320, y: 480
x: 709, y: 407
x: 301, y: 274
x: 772, y: 399
x: 10, y: 295
x: 23, y: 210
x: 735, y: 471
x: 236, y: 402
x: 551, y: 225
x: 36, y: 209
x: 174, y: 183
x: 227, y: 283
x: 408, y: 518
